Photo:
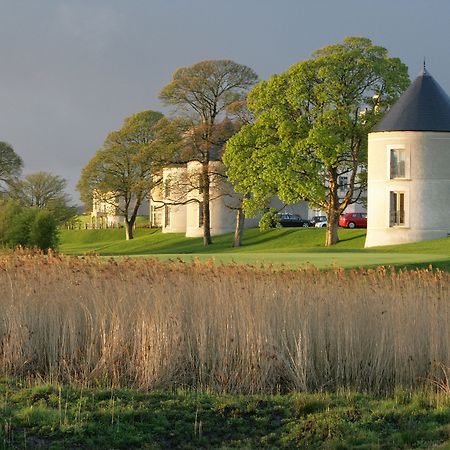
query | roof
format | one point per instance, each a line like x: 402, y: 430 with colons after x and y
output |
x: 424, y: 106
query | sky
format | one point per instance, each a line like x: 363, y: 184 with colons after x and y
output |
x: 72, y: 70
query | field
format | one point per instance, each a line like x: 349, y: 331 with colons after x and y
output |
x: 289, y: 247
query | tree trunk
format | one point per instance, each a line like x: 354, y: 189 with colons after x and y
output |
x: 206, y: 210
x: 332, y: 228
x: 239, y: 229
x: 129, y: 229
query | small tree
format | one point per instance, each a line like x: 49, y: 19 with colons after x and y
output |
x: 125, y: 169
x: 311, y: 126
x: 202, y: 93
x: 10, y: 166
x: 44, y: 190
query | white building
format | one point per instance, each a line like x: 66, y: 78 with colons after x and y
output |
x: 409, y: 168
x: 176, y: 205
x: 106, y: 210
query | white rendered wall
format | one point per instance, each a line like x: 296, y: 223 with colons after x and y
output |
x: 222, y: 199
x: 426, y: 188
x: 175, y: 176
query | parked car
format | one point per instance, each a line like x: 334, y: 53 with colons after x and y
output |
x: 315, y: 219
x: 291, y: 220
x: 353, y: 220
x: 321, y: 224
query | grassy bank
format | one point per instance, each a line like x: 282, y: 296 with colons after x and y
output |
x: 49, y: 416
x: 292, y: 247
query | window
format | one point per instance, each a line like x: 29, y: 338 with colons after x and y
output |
x: 156, y: 217
x: 167, y: 187
x: 397, y: 209
x: 343, y: 182
x: 167, y: 216
x: 201, y: 218
x: 397, y: 163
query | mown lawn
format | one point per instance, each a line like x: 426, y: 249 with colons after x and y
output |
x: 292, y: 247
x: 56, y: 417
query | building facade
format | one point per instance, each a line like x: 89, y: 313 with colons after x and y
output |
x: 176, y: 205
x: 409, y: 168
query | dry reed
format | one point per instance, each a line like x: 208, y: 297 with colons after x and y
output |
x: 145, y: 324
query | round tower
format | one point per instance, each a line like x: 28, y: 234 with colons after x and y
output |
x: 408, y: 193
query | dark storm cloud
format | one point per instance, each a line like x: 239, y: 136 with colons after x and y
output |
x: 71, y: 70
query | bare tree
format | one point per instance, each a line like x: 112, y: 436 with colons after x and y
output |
x: 202, y: 93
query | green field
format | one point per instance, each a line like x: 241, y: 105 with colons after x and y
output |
x: 50, y: 416
x: 291, y: 247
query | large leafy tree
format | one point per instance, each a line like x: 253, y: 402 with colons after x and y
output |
x: 310, y: 128
x: 126, y: 168
x: 10, y: 165
x: 45, y: 191
x: 201, y: 94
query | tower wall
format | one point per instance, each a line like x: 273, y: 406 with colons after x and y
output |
x: 173, y: 192
x: 426, y: 187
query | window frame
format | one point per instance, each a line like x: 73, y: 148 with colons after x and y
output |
x: 407, y: 168
x: 396, y: 194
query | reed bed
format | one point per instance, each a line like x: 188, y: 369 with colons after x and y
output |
x: 145, y: 324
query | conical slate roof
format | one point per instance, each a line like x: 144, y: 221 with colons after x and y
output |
x: 424, y: 106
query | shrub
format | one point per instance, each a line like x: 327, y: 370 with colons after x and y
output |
x: 33, y: 228
x: 44, y: 231
x: 269, y: 220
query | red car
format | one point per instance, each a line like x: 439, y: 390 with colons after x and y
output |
x: 353, y: 220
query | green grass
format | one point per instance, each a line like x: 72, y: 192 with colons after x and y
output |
x: 292, y: 247
x: 55, y: 417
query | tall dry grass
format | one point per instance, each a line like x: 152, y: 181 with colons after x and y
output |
x: 141, y: 323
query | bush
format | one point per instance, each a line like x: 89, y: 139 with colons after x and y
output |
x: 269, y: 220
x: 19, y: 231
x: 44, y: 231
x: 33, y: 228
x: 8, y: 210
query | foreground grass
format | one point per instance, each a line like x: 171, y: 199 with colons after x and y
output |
x: 292, y: 247
x: 49, y: 416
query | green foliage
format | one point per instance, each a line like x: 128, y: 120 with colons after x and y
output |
x: 8, y: 210
x: 31, y: 228
x: 20, y: 227
x: 127, y: 166
x: 73, y: 417
x: 44, y: 231
x: 269, y: 220
x: 310, y: 127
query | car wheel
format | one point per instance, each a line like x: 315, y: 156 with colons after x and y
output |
x: 351, y: 225
x: 324, y: 225
x: 305, y: 225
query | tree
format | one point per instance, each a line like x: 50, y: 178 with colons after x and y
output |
x: 202, y: 93
x: 44, y: 190
x: 125, y: 169
x: 10, y: 165
x: 311, y: 126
